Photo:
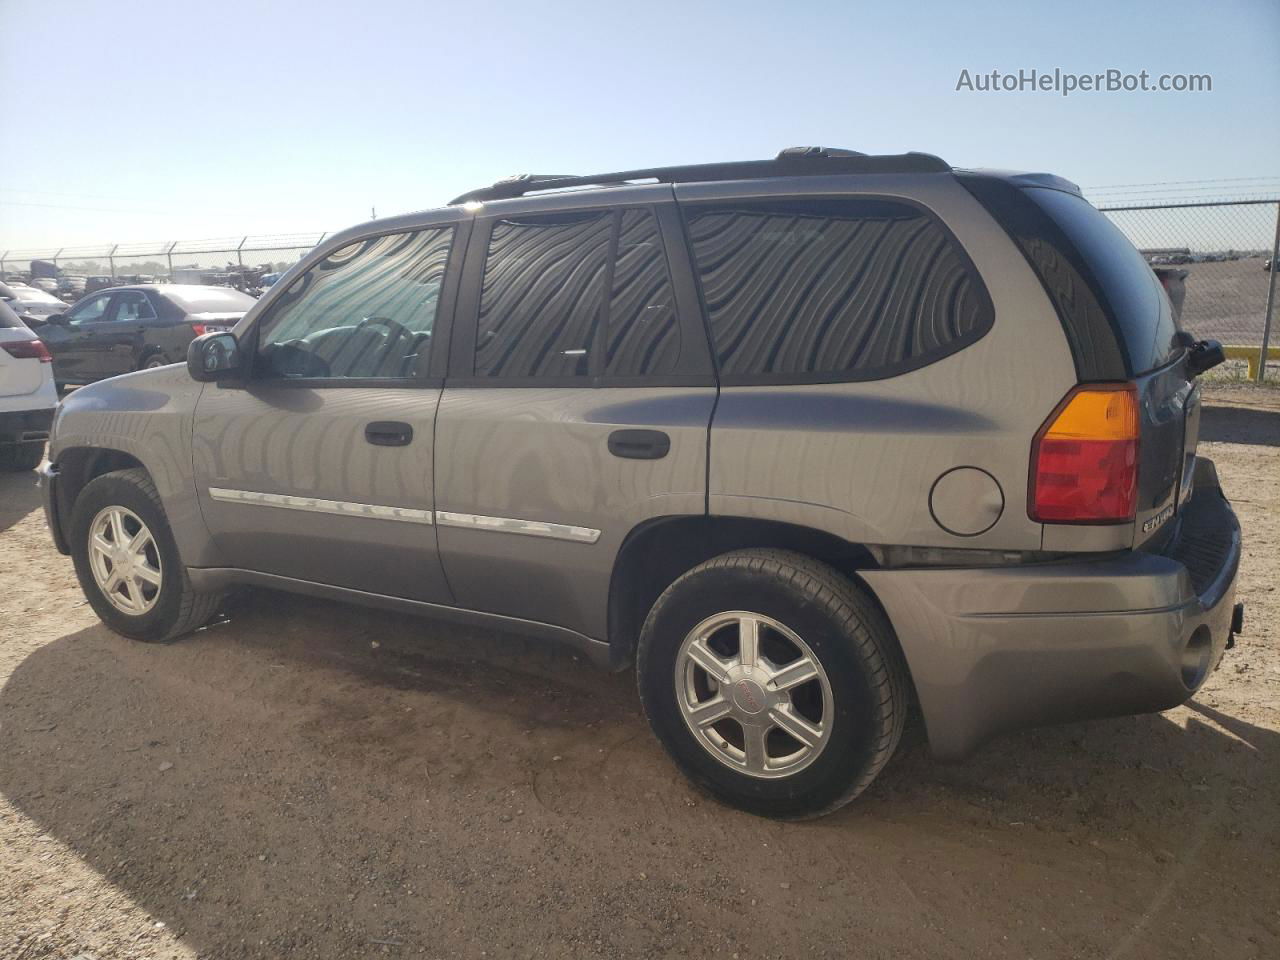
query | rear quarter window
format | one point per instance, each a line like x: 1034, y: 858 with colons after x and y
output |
x: 1128, y: 286
x: 832, y: 289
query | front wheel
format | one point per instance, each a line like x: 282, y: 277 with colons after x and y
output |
x: 128, y: 564
x: 773, y: 681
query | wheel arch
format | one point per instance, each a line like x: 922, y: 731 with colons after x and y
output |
x: 77, y: 467
x: 659, y: 550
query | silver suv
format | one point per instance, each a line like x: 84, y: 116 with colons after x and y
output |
x: 811, y: 441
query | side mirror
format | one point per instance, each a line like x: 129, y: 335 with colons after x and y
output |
x: 1205, y: 355
x: 214, y: 357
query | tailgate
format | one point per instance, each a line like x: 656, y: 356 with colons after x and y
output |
x: 1169, y: 408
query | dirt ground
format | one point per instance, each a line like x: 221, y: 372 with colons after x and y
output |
x: 313, y: 780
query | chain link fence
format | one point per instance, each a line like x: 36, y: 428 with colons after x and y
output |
x: 1227, y: 249
x: 167, y: 260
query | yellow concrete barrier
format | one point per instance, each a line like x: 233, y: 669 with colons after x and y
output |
x: 1250, y: 354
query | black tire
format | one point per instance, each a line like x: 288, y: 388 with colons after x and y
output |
x: 21, y: 456
x: 849, y: 636
x: 178, y: 608
x: 153, y: 360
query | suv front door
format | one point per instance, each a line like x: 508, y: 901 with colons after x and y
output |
x: 318, y: 467
x: 578, y: 402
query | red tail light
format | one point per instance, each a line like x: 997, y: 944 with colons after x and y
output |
x: 28, y: 350
x: 199, y: 329
x: 1084, y: 461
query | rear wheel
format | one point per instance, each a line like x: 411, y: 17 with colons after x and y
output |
x: 773, y: 681
x: 21, y: 456
x: 128, y: 564
x: 153, y: 361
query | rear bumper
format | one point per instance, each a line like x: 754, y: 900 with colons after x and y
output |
x: 26, y: 426
x: 1002, y: 648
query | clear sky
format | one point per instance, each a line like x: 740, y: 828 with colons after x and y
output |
x: 141, y: 120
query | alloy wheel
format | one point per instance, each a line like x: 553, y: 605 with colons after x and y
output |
x: 125, y: 560
x: 753, y: 694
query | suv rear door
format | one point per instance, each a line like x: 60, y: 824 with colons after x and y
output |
x: 319, y: 466
x: 578, y: 402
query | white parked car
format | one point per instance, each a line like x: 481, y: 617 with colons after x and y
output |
x: 27, y: 394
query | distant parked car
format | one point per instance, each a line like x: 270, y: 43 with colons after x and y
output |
x: 33, y: 306
x: 94, y: 284
x: 1266, y: 264
x: 132, y: 328
x: 27, y: 395
x: 47, y: 284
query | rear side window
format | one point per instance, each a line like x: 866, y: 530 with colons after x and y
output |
x: 577, y: 295
x: 827, y: 289
x: 1127, y: 284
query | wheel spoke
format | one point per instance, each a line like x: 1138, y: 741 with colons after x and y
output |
x: 135, y: 593
x: 753, y: 736
x: 748, y: 640
x: 147, y: 573
x: 113, y: 580
x: 140, y: 541
x: 793, y: 674
x: 101, y: 544
x: 709, y: 711
x: 716, y: 668
x: 797, y: 726
x: 118, y: 536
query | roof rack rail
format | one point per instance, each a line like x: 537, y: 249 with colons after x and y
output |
x: 791, y: 162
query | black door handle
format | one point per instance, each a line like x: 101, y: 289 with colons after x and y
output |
x: 639, y: 444
x: 388, y: 433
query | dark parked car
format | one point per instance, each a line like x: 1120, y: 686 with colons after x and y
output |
x: 131, y: 328
x: 94, y: 284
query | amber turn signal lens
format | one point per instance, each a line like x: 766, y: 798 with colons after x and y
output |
x: 1106, y: 413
